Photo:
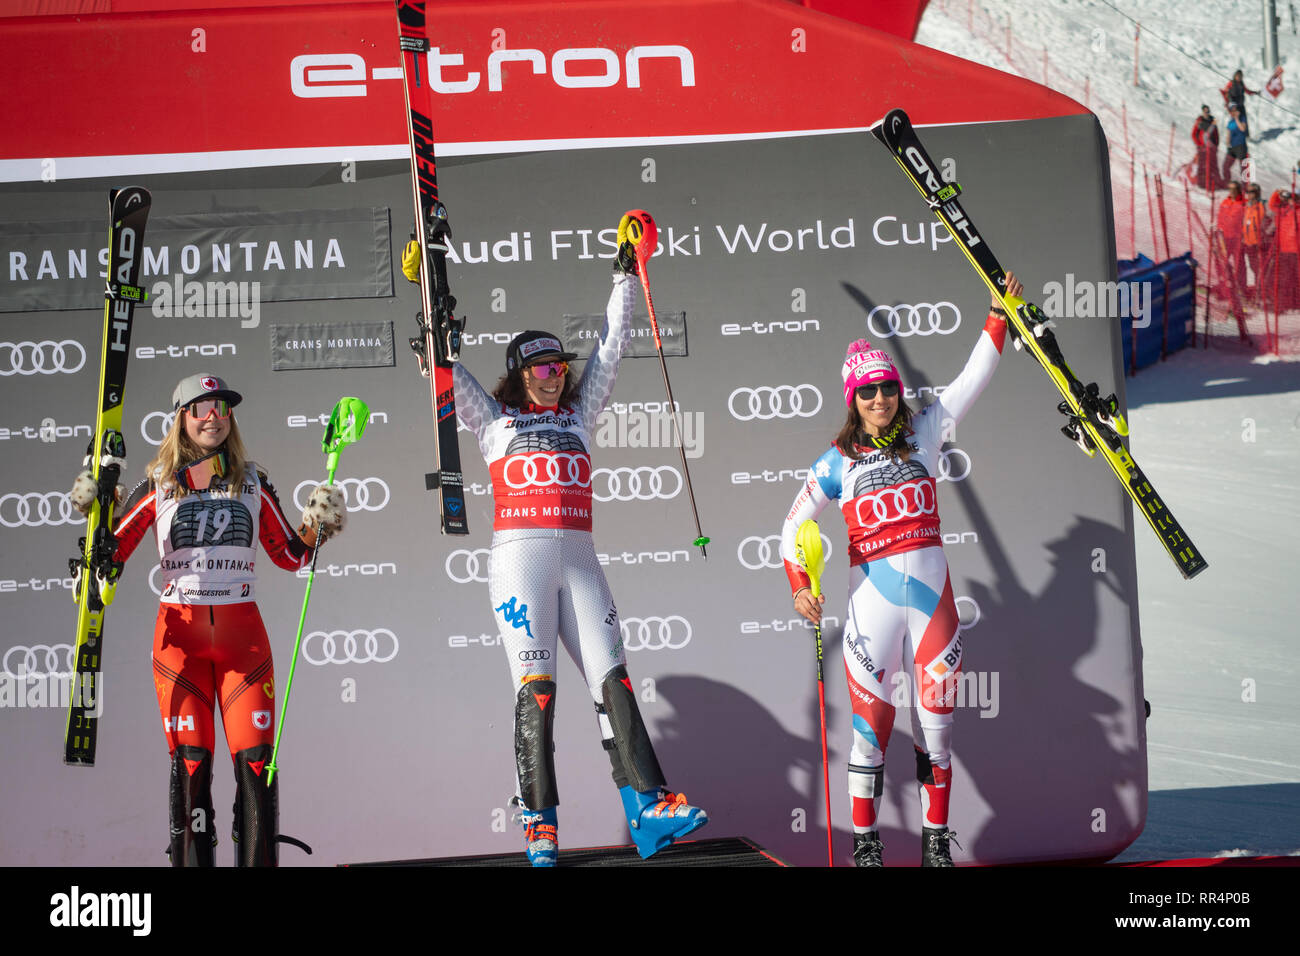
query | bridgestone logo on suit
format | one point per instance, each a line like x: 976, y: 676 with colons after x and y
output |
x: 656, y: 633
x: 924, y: 318
x: 359, y: 494
x: 44, y: 358
x: 774, y: 401
x: 350, y: 647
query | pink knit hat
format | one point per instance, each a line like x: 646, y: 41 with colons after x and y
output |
x: 864, y: 365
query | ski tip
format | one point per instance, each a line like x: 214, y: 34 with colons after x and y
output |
x: 888, y: 127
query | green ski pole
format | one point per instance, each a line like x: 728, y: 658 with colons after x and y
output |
x: 346, y: 425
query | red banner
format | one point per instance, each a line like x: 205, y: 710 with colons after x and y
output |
x: 181, y: 85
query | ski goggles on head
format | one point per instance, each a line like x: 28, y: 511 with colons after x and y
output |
x: 205, y: 407
x: 199, y: 475
x: 868, y: 392
x: 547, y: 369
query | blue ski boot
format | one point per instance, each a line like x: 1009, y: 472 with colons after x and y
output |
x: 540, y: 840
x: 657, y: 818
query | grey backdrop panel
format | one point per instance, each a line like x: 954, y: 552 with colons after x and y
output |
x: 779, y: 253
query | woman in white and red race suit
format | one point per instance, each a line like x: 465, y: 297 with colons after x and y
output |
x: 209, y: 506
x: 544, y: 579
x: 901, y: 610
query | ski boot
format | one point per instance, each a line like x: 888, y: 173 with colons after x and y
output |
x: 541, y: 841
x: 868, y: 850
x: 657, y: 818
x: 193, y: 839
x: 934, y: 846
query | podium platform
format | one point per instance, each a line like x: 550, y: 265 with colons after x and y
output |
x: 726, y: 851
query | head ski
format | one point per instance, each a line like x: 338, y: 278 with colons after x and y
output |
x: 95, y: 573
x: 1093, y: 423
x: 438, y: 344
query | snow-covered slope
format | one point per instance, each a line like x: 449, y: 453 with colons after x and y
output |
x: 1217, y: 431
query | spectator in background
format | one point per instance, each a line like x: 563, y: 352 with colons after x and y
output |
x: 1283, y: 205
x: 1229, y: 225
x: 1238, y: 132
x: 1234, y: 94
x: 1254, y: 233
x: 1205, y: 134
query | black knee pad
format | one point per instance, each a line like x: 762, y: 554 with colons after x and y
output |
x: 631, y: 755
x: 535, y: 744
x: 924, y: 769
x: 257, y: 809
x: 193, y: 837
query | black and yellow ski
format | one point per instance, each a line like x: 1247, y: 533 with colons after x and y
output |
x: 95, y: 572
x: 1093, y: 423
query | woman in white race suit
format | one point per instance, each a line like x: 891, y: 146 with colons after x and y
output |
x: 901, y: 610
x: 544, y: 580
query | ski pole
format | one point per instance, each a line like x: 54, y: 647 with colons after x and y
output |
x: 638, y: 227
x: 346, y: 425
x: 808, y: 549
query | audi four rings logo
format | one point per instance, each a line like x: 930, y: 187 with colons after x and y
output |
x: 532, y: 471
x: 974, y: 615
x: 464, y: 566
x: 542, y: 655
x: 359, y: 494
x: 948, y: 471
x: 44, y: 358
x: 774, y: 401
x: 35, y: 509
x: 350, y: 647
x: 55, y: 659
x: 909, y: 500
x: 155, y: 426
x: 656, y: 633
x: 644, y: 483
x: 924, y: 318
x: 756, y: 552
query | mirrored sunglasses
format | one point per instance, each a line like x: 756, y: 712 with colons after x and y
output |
x: 199, y: 475
x: 868, y: 392
x: 205, y: 407
x: 547, y: 369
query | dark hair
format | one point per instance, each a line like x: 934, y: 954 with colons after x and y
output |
x: 852, y: 438
x: 510, y: 390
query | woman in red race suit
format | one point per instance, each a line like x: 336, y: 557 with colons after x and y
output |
x: 209, y: 506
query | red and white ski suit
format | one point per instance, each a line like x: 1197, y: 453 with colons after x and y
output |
x: 901, y: 611
x: 210, y: 645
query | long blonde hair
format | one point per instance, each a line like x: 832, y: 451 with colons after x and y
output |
x: 177, y: 450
